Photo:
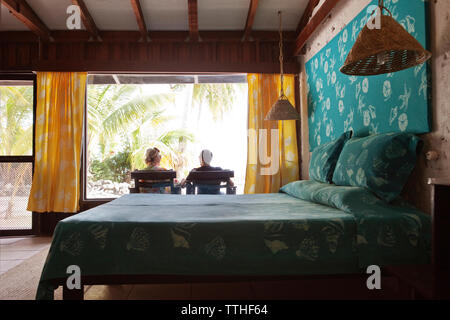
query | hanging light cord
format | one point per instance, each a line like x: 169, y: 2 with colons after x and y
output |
x: 281, y: 55
x: 381, y: 6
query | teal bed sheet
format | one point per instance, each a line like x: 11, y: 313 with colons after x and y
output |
x: 387, y: 233
x: 142, y: 234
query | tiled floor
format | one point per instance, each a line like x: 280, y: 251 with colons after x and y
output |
x: 14, y: 250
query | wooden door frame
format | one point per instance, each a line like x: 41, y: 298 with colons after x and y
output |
x: 23, y: 159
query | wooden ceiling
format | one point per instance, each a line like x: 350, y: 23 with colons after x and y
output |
x: 23, y: 11
x: 88, y: 21
x: 157, y: 37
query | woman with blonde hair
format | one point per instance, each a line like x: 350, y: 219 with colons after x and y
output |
x: 153, y: 159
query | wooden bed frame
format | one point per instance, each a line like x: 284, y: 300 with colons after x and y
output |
x: 78, y: 294
x: 424, y: 281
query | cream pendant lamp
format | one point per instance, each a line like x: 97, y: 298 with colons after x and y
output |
x: 388, y: 48
x: 282, y: 109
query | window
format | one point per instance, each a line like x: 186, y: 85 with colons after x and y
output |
x: 180, y: 115
x: 16, y: 153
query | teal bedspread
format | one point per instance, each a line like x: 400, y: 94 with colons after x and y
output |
x: 271, y: 234
x: 387, y: 233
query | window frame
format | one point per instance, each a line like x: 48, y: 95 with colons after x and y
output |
x: 88, y: 203
x: 84, y: 202
x: 21, y: 159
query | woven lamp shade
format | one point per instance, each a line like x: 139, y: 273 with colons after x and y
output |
x: 282, y: 110
x: 388, y: 49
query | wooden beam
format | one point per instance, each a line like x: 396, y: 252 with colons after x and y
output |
x: 312, y: 4
x: 208, y: 36
x: 312, y: 25
x: 22, y: 11
x: 193, y: 20
x: 168, y: 52
x: 250, y: 18
x: 103, y: 66
x: 140, y: 19
x: 88, y: 21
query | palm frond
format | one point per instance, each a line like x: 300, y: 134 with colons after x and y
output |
x: 132, y: 112
x: 219, y: 97
x: 172, y: 137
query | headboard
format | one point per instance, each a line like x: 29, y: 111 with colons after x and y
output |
x: 374, y: 104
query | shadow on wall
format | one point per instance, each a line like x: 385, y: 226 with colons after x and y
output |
x: 443, y: 44
x: 417, y: 191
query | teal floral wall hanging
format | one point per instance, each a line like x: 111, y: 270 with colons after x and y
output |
x: 394, y: 102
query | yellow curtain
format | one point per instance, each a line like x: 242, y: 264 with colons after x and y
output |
x: 269, y: 142
x: 59, y: 123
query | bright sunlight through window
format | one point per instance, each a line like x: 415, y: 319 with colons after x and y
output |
x: 126, y: 115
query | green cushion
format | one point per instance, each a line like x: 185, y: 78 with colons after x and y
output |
x: 381, y: 163
x: 324, y: 159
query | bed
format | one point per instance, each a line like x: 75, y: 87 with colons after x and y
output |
x: 320, y: 230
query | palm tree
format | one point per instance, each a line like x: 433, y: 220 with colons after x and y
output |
x: 16, y: 120
x: 168, y: 143
x: 125, y: 116
x: 16, y: 132
x: 218, y: 97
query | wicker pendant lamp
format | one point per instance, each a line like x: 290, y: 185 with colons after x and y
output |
x: 282, y: 109
x: 384, y: 50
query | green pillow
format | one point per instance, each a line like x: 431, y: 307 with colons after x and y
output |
x: 381, y: 163
x: 348, y: 199
x: 324, y: 159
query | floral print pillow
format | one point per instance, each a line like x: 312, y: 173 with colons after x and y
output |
x: 324, y: 159
x: 380, y: 163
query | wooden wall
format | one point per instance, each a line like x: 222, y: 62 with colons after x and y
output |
x: 167, y: 52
